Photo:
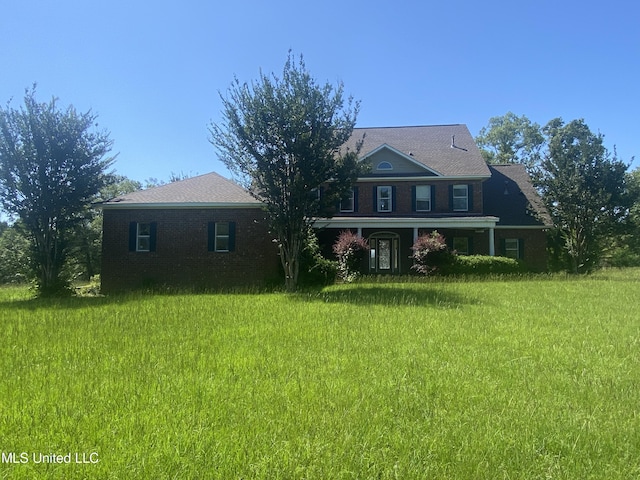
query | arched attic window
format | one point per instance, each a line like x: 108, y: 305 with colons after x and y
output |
x: 384, y: 166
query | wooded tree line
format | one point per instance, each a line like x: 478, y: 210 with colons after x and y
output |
x: 282, y: 136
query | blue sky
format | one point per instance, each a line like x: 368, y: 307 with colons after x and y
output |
x: 152, y: 71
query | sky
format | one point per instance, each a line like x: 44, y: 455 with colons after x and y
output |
x: 153, y: 72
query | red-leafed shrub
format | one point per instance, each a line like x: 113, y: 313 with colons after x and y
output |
x: 350, y: 249
x: 426, y: 252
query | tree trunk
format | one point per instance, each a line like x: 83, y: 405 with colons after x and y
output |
x: 289, y: 256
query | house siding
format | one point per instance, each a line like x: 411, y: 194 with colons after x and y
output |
x: 181, y: 257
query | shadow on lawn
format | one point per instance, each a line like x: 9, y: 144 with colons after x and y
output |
x: 405, y: 295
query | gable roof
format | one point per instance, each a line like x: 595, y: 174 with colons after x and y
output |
x: 448, y: 150
x: 210, y: 189
x: 510, y: 195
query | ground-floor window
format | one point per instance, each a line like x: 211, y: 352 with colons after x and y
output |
x: 142, y: 236
x: 513, y: 248
x: 461, y: 245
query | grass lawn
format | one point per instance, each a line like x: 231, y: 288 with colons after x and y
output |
x: 515, y: 378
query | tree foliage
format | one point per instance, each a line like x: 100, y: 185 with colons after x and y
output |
x: 584, y: 188
x: 511, y: 139
x: 282, y: 139
x: 52, y: 165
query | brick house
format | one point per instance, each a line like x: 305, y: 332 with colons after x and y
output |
x: 207, y: 231
x: 429, y: 178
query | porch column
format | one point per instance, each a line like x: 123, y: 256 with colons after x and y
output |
x: 492, y: 242
x: 360, y: 231
x: 415, y: 234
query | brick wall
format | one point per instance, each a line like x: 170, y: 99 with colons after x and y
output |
x: 404, y: 199
x: 181, y: 257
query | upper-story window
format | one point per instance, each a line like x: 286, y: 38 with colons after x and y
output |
x: 384, y: 198
x: 384, y: 166
x: 423, y: 198
x: 348, y: 204
x: 461, y: 198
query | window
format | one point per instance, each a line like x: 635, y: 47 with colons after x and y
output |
x: 460, y: 198
x: 221, y: 236
x: 348, y: 204
x: 385, y: 166
x: 384, y: 199
x: 512, y: 248
x: 423, y: 198
x: 461, y: 245
x: 142, y: 236
x: 314, y: 194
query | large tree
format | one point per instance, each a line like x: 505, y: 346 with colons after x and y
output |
x: 583, y: 186
x: 282, y: 138
x: 511, y: 139
x: 52, y: 165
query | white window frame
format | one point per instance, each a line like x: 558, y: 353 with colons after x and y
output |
x: 380, y: 199
x: 348, y: 204
x: 424, y: 197
x: 461, y: 198
x: 513, y: 250
x: 221, y: 237
x: 143, y: 237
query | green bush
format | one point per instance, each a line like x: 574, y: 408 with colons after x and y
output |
x: 481, y: 265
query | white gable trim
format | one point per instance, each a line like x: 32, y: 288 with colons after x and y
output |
x: 409, y: 158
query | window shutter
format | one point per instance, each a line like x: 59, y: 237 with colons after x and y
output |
x: 470, y: 240
x: 393, y: 198
x: 413, y: 198
x: 211, y: 236
x: 153, y: 230
x: 521, y: 248
x: 433, y: 198
x: 133, y: 236
x: 470, y: 197
x: 503, y: 247
x: 451, y: 197
x: 232, y: 236
x: 375, y: 198
x: 355, y: 199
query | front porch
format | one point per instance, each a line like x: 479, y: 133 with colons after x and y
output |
x: 391, y: 239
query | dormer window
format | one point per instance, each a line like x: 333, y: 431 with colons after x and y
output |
x: 384, y: 166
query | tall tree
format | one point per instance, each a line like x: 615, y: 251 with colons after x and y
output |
x: 52, y: 165
x: 282, y: 138
x: 584, y: 189
x: 511, y: 139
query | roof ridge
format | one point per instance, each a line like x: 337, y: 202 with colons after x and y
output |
x: 413, y: 126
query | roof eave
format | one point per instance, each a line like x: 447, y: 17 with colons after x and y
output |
x: 172, y: 205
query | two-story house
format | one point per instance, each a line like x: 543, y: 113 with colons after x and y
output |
x: 207, y: 231
x: 429, y: 178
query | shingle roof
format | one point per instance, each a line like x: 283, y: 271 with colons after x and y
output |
x: 209, y: 189
x: 447, y: 149
x: 510, y: 195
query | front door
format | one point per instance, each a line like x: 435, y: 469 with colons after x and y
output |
x: 384, y: 257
